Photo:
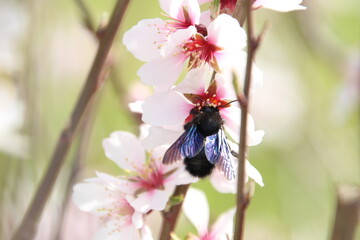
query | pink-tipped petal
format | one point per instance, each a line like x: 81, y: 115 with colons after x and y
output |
x: 90, y: 197
x: 145, y: 40
x: 166, y: 108
x: 225, y: 32
x: 196, y: 81
x: 175, y: 9
x: 196, y: 208
x: 155, y: 200
x: 159, y: 136
x: 117, y: 149
x: 115, y: 230
x: 223, y: 227
x: 162, y: 73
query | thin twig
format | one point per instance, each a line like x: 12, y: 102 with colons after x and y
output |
x: 87, y: 18
x: 28, y: 227
x: 243, y: 196
x: 78, y: 159
x: 170, y: 217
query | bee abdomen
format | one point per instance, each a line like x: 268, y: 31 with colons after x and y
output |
x: 199, y: 166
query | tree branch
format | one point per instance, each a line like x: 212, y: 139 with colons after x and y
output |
x: 243, y: 196
x: 170, y: 217
x: 28, y: 226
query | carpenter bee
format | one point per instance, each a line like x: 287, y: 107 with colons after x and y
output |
x: 203, y: 145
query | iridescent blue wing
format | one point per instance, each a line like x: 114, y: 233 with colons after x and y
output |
x: 193, y: 143
x: 188, y: 144
x: 218, y: 152
x: 212, y: 151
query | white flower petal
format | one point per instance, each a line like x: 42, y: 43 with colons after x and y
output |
x: 144, y: 39
x: 124, y: 149
x: 154, y: 200
x: 226, y: 32
x: 176, y: 41
x: 238, y: 67
x: 90, y: 197
x: 232, y: 123
x: 114, y: 183
x: 175, y: 9
x: 196, y: 208
x: 146, y: 233
x: 223, y: 227
x: 253, y: 173
x: 166, y: 108
x: 160, y: 136
x: 196, y: 81
x: 221, y: 184
x: 113, y: 230
x: 136, y: 106
x: 181, y: 177
x: 205, y: 18
x: 137, y: 219
x: 162, y: 73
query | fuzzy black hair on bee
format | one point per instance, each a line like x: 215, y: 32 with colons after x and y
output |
x: 203, y: 145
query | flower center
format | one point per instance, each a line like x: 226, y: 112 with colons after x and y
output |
x: 200, y: 51
x: 150, y: 177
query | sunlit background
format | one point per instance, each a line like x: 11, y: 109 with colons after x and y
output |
x: 308, y: 107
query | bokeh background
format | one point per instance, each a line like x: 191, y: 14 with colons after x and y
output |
x: 309, y: 108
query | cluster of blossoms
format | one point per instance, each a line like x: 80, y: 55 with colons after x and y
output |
x: 192, y: 124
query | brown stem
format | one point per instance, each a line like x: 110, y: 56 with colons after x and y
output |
x: 240, y: 11
x: 28, y: 226
x: 170, y: 217
x: 347, y: 215
x: 242, y: 199
x: 78, y: 159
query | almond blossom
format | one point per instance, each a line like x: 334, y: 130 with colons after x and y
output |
x: 150, y: 181
x: 124, y: 201
x: 196, y: 208
x: 105, y: 197
x: 217, y: 44
x: 174, y: 106
x: 147, y: 40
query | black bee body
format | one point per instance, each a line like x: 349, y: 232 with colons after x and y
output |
x: 208, y: 121
x: 203, y: 145
x: 199, y: 166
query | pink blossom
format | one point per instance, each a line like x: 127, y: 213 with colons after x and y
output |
x: 149, y: 180
x: 104, y: 197
x: 147, y: 40
x: 174, y: 106
x: 219, y: 45
x: 196, y: 208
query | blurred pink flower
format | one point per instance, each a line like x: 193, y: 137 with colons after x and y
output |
x: 196, y: 208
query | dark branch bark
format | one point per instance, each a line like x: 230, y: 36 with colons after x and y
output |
x: 170, y: 217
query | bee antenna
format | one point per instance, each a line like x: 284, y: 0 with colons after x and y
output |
x: 225, y: 105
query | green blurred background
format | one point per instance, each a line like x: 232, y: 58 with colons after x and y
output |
x: 308, y: 107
